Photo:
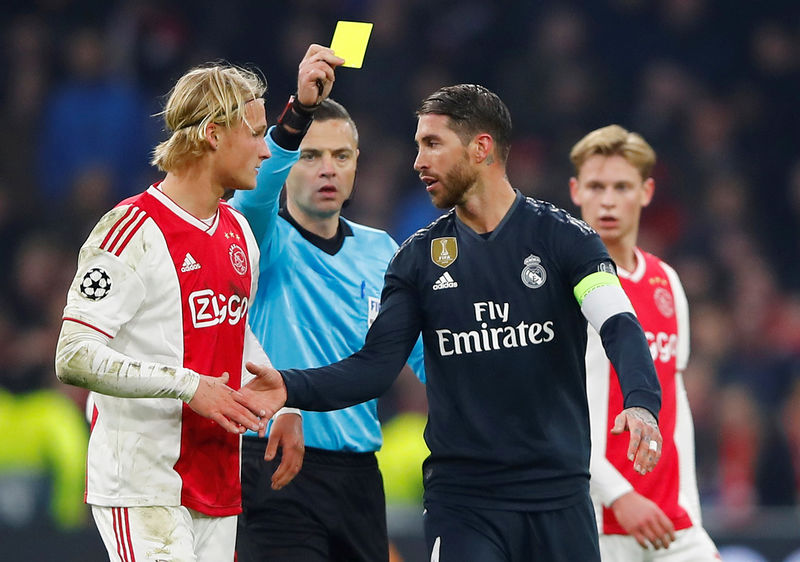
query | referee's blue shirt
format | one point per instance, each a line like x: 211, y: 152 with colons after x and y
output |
x: 313, y: 308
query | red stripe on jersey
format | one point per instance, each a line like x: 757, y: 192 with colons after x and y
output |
x: 128, y: 535
x: 95, y: 413
x: 95, y: 328
x: 131, y: 230
x: 112, y: 232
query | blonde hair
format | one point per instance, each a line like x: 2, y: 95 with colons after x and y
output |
x: 215, y: 93
x: 615, y: 140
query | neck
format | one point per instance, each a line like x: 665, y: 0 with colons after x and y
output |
x: 485, y: 204
x: 622, y: 253
x: 192, y: 190
x: 324, y: 227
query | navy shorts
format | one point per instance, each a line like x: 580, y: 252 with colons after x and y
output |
x: 333, y: 511
x: 458, y: 534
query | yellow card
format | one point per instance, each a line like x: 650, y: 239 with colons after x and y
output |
x: 350, y: 41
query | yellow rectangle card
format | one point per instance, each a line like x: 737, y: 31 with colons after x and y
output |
x: 350, y: 40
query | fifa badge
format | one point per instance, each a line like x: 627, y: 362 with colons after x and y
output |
x: 444, y: 251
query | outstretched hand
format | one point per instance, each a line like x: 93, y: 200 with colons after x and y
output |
x: 644, y: 448
x: 214, y: 399
x: 266, y: 392
x: 315, y: 74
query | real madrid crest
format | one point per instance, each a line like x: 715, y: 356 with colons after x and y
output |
x: 533, y: 274
x: 444, y: 251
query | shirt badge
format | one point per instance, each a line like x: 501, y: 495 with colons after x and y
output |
x: 238, y: 259
x: 533, y: 274
x: 664, y: 302
x: 96, y: 284
x: 444, y: 251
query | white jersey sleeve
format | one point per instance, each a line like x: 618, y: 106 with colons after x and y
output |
x: 105, y: 294
x: 682, y: 316
x: 684, y: 424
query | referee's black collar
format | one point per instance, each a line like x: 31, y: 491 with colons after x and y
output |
x: 328, y: 245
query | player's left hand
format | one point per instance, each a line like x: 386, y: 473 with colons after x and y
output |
x: 644, y: 448
x: 286, y: 433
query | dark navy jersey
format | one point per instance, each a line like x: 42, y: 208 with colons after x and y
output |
x: 504, y: 338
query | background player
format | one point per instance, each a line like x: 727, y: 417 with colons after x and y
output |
x: 500, y: 287
x: 335, y: 509
x: 638, y: 516
x: 160, y: 297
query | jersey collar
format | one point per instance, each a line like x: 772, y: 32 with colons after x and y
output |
x: 156, y: 192
x: 638, y: 272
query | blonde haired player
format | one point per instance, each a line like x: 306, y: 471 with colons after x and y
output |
x: 658, y: 517
x: 156, y: 327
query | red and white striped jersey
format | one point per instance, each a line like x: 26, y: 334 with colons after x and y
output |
x: 165, y: 287
x: 662, y: 309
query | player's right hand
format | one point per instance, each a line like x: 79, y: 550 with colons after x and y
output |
x: 266, y: 392
x: 315, y: 70
x: 214, y: 399
x: 643, y: 520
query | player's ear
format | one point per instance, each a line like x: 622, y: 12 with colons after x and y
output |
x: 212, y: 135
x: 482, y: 146
x: 573, y: 191
x: 649, y: 188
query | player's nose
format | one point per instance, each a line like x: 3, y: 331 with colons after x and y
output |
x: 263, y: 150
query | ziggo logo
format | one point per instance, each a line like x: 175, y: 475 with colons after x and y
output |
x: 663, y: 346
x: 209, y: 309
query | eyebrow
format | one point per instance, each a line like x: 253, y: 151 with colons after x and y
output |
x: 428, y: 138
x: 333, y: 151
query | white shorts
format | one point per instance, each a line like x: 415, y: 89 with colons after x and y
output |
x: 165, y: 534
x: 690, y: 545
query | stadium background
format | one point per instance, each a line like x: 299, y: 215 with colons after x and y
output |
x: 712, y: 84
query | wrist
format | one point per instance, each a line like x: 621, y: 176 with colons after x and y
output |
x: 188, y: 381
x: 296, y: 117
x: 302, y: 108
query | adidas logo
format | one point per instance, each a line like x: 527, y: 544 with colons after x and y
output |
x: 446, y: 281
x: 189, y: 264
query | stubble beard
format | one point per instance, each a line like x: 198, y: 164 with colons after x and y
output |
x: 455, y: 184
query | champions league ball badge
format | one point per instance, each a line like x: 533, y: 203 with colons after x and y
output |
x: 533, y: 274
x: 96, y: 284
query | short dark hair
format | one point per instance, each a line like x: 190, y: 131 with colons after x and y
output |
x: 472, y: 109
x: 331, y: 109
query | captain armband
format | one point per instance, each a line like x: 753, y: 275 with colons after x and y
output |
x: 600, y: 296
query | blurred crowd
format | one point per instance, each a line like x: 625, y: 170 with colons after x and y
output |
x: 713, y: 85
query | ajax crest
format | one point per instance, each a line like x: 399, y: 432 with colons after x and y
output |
x: 238, y: 259
x: 444, y: 251
x: 533, y: 274
x: 664, y: 302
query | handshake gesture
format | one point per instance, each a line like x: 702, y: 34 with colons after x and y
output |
x: 247, y: 408
x: 266, y: 393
